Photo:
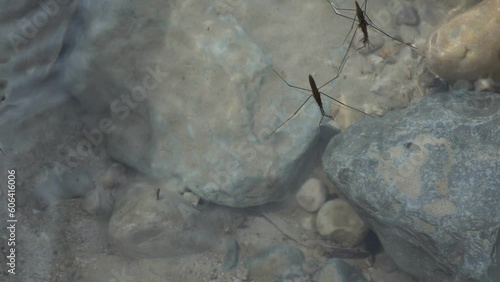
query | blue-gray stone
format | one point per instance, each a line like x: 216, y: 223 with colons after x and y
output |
x: 277, y: 262
x: 339, y: 271
x: 231, y: 257
x: 426, y: 179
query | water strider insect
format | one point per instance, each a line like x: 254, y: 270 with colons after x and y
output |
x: 317, y: 94
x: 317, y: 97
x: 363, y: 22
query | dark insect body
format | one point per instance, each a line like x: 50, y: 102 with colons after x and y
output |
x: 317, y: 97
x: 363, y: 22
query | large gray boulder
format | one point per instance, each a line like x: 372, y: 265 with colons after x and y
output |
x: 426, y: 179
x: 190, y: 102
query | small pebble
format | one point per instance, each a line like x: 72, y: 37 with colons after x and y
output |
x: 462, y: 84
x: 484, y: 84
x: 339, y: 271
x: 91, y: 203
x: 409, y: 34
x: 408, y: 16
x: 337, y: 220
x: 114, y: 175
x: 278, y: 262
x: 311, y: 195
x: 191, y: 198
x: 232, y: 254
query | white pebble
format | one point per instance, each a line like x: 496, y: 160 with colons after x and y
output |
x: 311, y: 195
x: 191, y: 198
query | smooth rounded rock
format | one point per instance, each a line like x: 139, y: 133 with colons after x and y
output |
x: 468, y: 46
x: 408, y: 16
x: 338, y: 270
x: 114, y: 175
x: 311, y: 195
x: 277, y: 262
x: 340, y: 222
x: 191, y: 198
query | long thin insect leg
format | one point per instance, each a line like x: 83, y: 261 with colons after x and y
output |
x: 293, y: 86
x: 345, y: 105
x: 292, y: 115
x: 342, y: 64
x: 335, y: 10
x: 379, y: 30
x: 376, y: 28
x: 368, y: 20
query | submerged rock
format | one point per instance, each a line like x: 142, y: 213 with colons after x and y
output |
x: 339, y: 271
x: 195, y: 108
x: 338, y: 221
x: 277, y: 262
x: 427, y: 180
x: 312, y: 195
x: 144, y: 226
x: 467, y: 46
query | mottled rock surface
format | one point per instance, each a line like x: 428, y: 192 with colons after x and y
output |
x: 427, y: 180
x: 190, y: 102
x: 467, y: 46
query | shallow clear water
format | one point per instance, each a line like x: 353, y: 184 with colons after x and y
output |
x: 110, y: 111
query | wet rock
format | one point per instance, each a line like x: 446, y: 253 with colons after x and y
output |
x: 337, y: 220
x: 74, y: 184
x: 143, y: 227
x: 114, y: 175
x: 277, y: 262
x: 311, y: 195
x: 191, y: 198
x: 98, y: 201
x: 232, y: 254
x: 467, y: 46
x: 339, y: 271
x: 208, y: 138
x: 426, y: 179
x: 408, y: 15
x: 91, y: 203
x: 384, y: 269
x: 484, y: 85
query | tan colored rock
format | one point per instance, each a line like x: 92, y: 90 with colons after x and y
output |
x: 337, y: 220
x: 311, y: 195
x: 191, y: 198
x: 468, y: 46
x: 114, y: 175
